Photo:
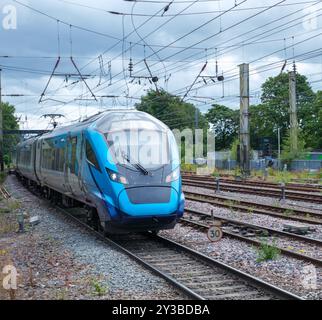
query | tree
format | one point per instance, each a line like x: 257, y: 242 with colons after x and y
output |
x: 312, y: 124
x: 225, y: 123
x: 10, y: 122
x: 274, y: 110
x: 261, y: 125
x: 171, y: 110
x: 287, y: 154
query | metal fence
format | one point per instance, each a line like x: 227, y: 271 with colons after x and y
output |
x: 301, y: 165
x: 296, y: 165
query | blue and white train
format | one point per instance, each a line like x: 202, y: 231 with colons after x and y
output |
x: 121, y: 165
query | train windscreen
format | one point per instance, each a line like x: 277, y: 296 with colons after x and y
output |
x: 137, y: 138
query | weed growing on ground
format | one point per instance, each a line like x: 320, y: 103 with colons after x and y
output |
x: 99, y: 289
x: 288, y: 213
x: 267, y: 251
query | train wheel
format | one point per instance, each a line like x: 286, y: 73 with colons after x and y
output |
x: 93, y: 219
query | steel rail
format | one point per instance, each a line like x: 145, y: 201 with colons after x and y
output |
x: 299, y: 196
x: 255, y: 226
x: 263, y: 289
x: 265, y: 184
x: 255, y: 241
x: 244, y: 206
x: 259, y: 284
x: 254, y: 280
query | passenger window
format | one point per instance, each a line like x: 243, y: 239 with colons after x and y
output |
x: 90, y: 155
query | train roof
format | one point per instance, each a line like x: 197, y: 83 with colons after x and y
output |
x: 86, y: 123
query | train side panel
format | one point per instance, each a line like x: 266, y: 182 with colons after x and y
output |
x: 26, y: 153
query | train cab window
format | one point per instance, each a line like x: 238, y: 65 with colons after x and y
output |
x: 90, y: 155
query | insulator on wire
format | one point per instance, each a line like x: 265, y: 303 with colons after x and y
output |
x: 130, y: 65
x: 220, y: 78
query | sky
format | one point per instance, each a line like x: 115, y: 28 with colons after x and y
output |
x: 174, y: 45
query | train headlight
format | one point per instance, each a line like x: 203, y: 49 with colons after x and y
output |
x: 173, y: 176
x: 116, y: 177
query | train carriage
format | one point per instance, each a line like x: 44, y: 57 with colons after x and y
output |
x: 122, y: 165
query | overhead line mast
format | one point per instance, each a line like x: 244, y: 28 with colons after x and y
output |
x: 293, y: 111
x: 244, y: 120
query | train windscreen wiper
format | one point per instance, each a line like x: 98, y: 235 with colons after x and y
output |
x: 137, y: 165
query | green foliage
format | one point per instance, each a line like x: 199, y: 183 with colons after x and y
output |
x: 99, y: 289
x: 187, y: 167
x: 312, y: 127
x: 171, y: 110
x: 3, y: 177
x: 288, y: 154
x: 225, y: 123
x: 7, y: 159
x: 280, y: 176
x: 234, y: 149
x: 10, y: 122
x: 288, y: 213
x: 273, y: 113
x: 267, y: 251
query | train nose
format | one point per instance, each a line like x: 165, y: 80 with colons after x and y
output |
x: 147, y: 200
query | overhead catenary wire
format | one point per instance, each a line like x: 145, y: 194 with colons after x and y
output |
x: 169, y: 59
x: 264, y: 25
x: 200, y: 26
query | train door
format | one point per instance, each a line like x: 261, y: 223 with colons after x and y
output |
x: 73, y: 164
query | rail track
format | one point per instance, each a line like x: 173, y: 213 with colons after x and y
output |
x: 313, y: 185
x: 305, y: 216
x: 196, y: 275
x: 250, y: 233
x: 312, y: 197
x: 289, y: 186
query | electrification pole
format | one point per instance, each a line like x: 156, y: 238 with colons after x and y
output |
x: 197, y: 118
x: 293, y: 111
x: 1, y: 128
x: 244, y: 120
x: 279, y: 147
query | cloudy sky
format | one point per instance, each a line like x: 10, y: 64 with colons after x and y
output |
x: 102, y: 36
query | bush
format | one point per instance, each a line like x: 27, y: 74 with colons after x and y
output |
x: 289, y: 155
x: 267, y: 251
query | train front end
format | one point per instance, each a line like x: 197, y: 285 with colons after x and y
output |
x: 142, y: 167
